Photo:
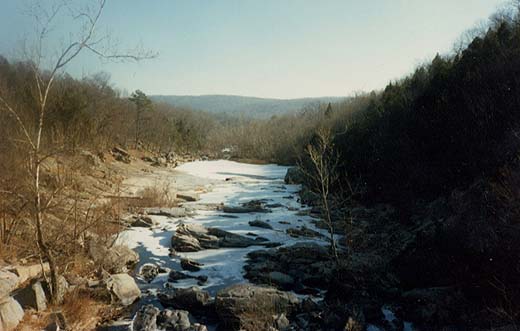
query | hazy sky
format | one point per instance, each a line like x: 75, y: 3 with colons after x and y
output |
x: 267, y: 48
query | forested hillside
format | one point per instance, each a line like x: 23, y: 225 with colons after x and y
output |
x: 240, y: 106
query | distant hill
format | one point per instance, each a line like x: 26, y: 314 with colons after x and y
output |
x: 240, y: 105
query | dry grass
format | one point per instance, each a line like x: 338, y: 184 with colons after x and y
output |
x: 159, y: 195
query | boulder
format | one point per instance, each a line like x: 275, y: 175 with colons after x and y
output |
x: 142, y: 222
x: 8, y: 282
x: 26, y: 272
x: 123, y: 289
x: 190, y: 265
x: 117, y: 259
x: 260, y: 224
x: 146, y: 319
x: 32, y: 296
x: 192, y: 299
x: 177, y: 320
x: 149, y: 271
x: 249, y: 307
x: 11, y: 313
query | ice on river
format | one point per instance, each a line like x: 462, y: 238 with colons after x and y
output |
x: 232, y: 183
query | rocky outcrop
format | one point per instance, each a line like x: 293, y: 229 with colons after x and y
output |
x: 298, y: 267
x: 250, y: 308
x: 192, y: 299
x: 123, y: 289
x: 195, y: 237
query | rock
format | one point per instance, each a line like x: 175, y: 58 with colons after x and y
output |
x: 231, y: 240
x: 188, y: 196
x: 294, y: 267
x: 118, y: 259
x: 186, y: 243
x: 175, y: 212
x: 192, y: 299
x: 8, y: 282
x: 177, y: 275
x: 283, y: 280
x: 303, y: 232
x: 149, y: 271
x: 249, y: 307
x: 260, y: 224
x: 146, y: 319
x: 90, y: 159
x: 176, y: 320
x: 281, y: 322
x: 190, y: 265
x: 123, y: 289
x: 26, y: 272
x: 142, y: 222
x: 294, y: 175
x: 195, y: 237
x: 33, y: 296
x: 11, y: 313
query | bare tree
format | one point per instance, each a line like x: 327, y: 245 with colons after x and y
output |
x: 322, y: 173
x: 45, y: 71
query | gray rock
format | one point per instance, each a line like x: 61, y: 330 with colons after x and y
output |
x: 146, y: 319
x: 260, y: 224
x: 117, y: 259
x: 26, y: 272
x: 123, y: 289
x: 11, y: 313
x: 250, y: 307
x: 175, y: 320
x: 149, y: 271
x: 8, y: 282
x: 192, y: 299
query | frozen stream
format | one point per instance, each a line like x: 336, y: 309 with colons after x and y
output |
x: 228, y: 183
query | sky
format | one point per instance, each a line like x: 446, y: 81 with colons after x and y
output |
x: 264, y: 48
